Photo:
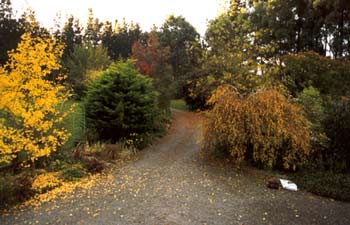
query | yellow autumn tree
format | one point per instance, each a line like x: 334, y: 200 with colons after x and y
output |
x: 264, y: 127
x: 30, y: 115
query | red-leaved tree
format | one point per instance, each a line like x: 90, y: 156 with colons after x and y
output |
x: 151, y: 59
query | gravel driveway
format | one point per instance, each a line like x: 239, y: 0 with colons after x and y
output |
x: 173, y: 183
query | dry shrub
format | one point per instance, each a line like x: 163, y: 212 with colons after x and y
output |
x: 263, y: 127
x: 93, y: 165
x: 15, y: 188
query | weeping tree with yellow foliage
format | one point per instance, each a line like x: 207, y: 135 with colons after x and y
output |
x: 30, y: 116
x: 264, y: 127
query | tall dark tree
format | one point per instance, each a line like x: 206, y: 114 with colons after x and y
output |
x: 68, y: 37
x: 84, y: 65
x: 119, y: 40
x: 10, y: 30
x: 302, y: 25
x: 56, y: 30
x: 180, y: 36
x: 107, y: 35
x: 92, y: 34
x: 5, y: 9
x: 338, y: 20
x: 31, y: 25
x: 78, y: 32
x: 134, y: 33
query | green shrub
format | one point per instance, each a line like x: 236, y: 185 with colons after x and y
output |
x: 162, y: 124
x: 312, y: 103
x: 56, y: 164
x: 314, y: 109
x: 329, y: 76
x: 197, y: 92
x: 337, y: 125
x: 121, y: 102
x: 327, y: 184
x: 164, y: 84
x: 73, y: 172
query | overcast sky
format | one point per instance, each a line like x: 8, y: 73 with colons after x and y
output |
x: 144, y: 12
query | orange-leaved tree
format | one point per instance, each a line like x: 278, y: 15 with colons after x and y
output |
x: 30, y: 116
x: 264, y: 127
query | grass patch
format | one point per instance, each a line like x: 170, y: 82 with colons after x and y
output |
x: 327, y: 184
x: 179, y: 104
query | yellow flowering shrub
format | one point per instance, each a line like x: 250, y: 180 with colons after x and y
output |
x: 29, y: 107
x: 263, y: 127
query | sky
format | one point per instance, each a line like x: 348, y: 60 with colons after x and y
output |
x: 144, y: 12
